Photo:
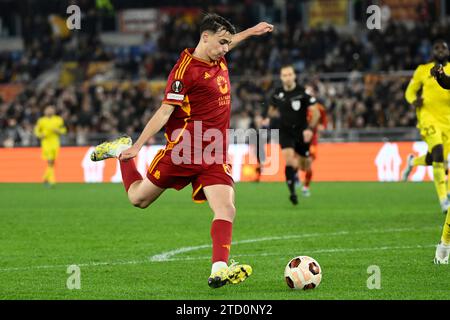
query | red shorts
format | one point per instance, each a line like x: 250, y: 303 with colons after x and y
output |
x: 163, y: 173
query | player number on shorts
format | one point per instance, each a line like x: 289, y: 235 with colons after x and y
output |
x: 429, y: 131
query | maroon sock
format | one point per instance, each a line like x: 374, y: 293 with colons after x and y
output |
x: 308, y: 177
x: 221, y: 231
x: 129, y: 173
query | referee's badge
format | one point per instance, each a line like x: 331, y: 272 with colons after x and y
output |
x: 296, y: 105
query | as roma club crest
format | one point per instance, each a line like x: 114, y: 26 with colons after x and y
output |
x: 177, y: 86
x: 223, y: 85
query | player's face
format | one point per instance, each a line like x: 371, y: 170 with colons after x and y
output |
x: 49, y: 111
x: 218, y: 44
x: 440, y: 51
x: 287, y: 76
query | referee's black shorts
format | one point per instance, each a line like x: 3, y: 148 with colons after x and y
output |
x: 293, y: 138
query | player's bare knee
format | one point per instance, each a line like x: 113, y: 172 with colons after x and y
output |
x: 227, y: 211
x: 137, y: 201
x: 291, y: 162
x: 142, y: 204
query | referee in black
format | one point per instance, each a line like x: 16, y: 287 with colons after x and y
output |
x: 290, y: 103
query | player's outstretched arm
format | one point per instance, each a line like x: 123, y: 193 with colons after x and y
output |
x: 155, y: 124
x: 411, y: 93
x: 260, y: 29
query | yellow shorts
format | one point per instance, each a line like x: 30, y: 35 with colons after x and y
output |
x: 433, y: 131
x: 50, y: 152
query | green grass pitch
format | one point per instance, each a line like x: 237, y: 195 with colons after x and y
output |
x: 346, y: 227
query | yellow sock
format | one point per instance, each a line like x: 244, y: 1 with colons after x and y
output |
x: 51, y: 175
x: 446, y: 231
x: 439, y: 180
x: 419, y: 161
x: 46, y: 174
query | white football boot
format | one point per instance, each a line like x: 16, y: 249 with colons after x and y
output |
x: 111, y: 149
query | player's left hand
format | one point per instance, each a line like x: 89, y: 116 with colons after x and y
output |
x: 128, y: 154
x: 261, y: 28
x: 307, y: 135
x: 437, y: 70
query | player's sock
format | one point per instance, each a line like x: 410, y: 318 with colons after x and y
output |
x: 308, y: 177
x: 221, y: 231
x: 290, y: 179
x: 448, y: 184
x: 445, y: 239
x: 216, y: 266
x: 46, y: 174
x: 129, y: 173
x: 419, y: 161
x: 51, y: 175
x: 439, y: 181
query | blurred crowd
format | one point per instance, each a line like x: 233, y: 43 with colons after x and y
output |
x: 358, y: 101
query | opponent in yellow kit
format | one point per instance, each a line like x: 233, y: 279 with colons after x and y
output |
x: 443, y: 248
x: 433, y: 118
x: 48, y: 129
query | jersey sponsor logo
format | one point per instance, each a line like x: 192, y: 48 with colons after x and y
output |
x: 223, y: 84
x: 296, y: 105
x: 177, y: 86
x: 207, y: 75
x: 174, y: 96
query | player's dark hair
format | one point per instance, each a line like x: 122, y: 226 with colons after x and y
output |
x: 287, y: 65
x: 440, y: 41
x: 215, y: 23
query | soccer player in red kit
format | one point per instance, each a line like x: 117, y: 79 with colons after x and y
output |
x: 196, y: 106
x: 321, y: 125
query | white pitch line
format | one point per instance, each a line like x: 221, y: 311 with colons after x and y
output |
x: 167, y: 256
x: 336, y: 250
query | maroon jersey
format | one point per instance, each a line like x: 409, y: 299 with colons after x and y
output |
x: 201, y: 92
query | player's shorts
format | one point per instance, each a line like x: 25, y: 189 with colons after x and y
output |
x: 294, y: 139
x: 434, y: 131
x: 50, y: 152
x: 163, y: 173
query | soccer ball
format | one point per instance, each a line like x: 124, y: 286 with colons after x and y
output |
x: 303, y: 272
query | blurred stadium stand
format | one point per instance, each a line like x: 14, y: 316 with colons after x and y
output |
x: 108, y: 77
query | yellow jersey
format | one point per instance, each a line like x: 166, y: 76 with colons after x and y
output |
x: 436, y: 100
x: 48, y: 129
